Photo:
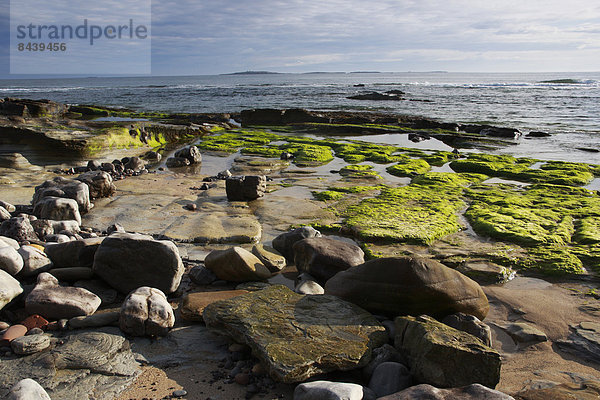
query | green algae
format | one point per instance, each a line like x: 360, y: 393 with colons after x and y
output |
x: 509, y: 167
x: 439, y: 158
x: 359, y: 171
x: 418, y: 213
x: 328, y: 195
x: 588, y: 230
x: 409, y: 167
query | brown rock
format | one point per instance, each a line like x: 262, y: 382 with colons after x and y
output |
x: 409, y: 286
x: 12, y: 333
x: 236, y: 265
x: 35, y: 321
x: 193, y: 304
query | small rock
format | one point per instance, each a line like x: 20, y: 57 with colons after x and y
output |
x: 284, y: 242
x: 27, y: 389
x: 9, y: 241
x: 19, y: 229
x: 30, y: 344
x: 180, y: 393
x: 306, y: 284
x: 470, y: 324
x: 34, y: 261
x: 381, y: 355
x: 4, y: 214
x: 53, y: 301
x: 13, y: 332
x: 389, y: 378
x: 236, y: 265
x: 35, y: 331
x: 323, y: 257
x: 10, y: 260
x: 115, y: 228
x: 522, y: 332
x: 177, y: 162
x: 242, y: 379
x: 191, y: 153
x: 146, y: 312
x: 201, y: 275
x: 96, y: 320
x: 57, y: 208
x: 245, y: 188
x: 7, y: 206
x: 191, y: 206
x: 100, y: 183
x: 270, y: 257
x: 9, y: 288
x: 325, y: 390
x: 35, y: 321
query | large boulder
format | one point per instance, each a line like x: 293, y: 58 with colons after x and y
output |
x: 76, y: 253
x: 325, y: 257
x: 409, y: 286
x: 191, y: 153
x: 127, y: 261
x: 443, y: 356
x: 32, y: 108
x: 53, y: 301
x: 146, y: 312
x: 57, y: 208
x: 100, y: 183
x: 19, y: 229
x: 236, y: 265
x: 34, y: 261
x: 10, y: 260
x: 245, y: 188
x: 470, y: 392
x: 284, y: 243
x: 67, y: 188
x: 9, y: 288
x: 298, y: 336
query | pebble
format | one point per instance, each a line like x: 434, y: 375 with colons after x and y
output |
x: 12, y: 333
x: 180, y: 393
x: 34, y: 331
x: 242, y: 379
x: 30, y: 344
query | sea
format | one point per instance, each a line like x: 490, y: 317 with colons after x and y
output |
x: 566, y: 105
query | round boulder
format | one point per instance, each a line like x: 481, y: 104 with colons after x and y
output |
x: 409, y: 286
x: 146, y: 312
x: 323, y: 257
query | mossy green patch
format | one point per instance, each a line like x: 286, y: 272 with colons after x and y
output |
x: 328, y: 195
x: 508, y: 167
x: 409, y: 167
x: 359, y: 171
x: 418, y: 213
x: 588, y: 230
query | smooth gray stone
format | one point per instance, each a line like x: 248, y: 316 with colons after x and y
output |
x: 9, y: 288
x: 96, y: 320
x: 10, y: 260
x: 27, y: 389
x: 146, y: 312
x: 34, y: 261
x: 325, y: 390
x: 389, y: 378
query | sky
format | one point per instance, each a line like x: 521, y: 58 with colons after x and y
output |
x: 197, y: 37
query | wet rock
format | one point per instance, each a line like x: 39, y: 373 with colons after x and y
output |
x: 409, y: 286
x: 94, y: 165
x: 245, y: 188
x: 152, y: 156
x: 27, y: 389
x: 389, y: 378
x: 270, y: 257
x: 53, y: 301
x: 284, y: 243
x: 583, y: 341
x: 262, y: 116
x: 470, y: 392
x: 9, y: 288
x: 509, y: 133
x: 10, y: 242
x: 95, y: 321
x: 100, y: 183
x: 76, y: 253
x: 64, y: 188
x: 177, y: 162
x: 12, y: 333
x: 522, y: 332
x: 375, y: 96
x: 7, y: 206
x: 57, y: 208
x: 191, y: 153
x: 538, y: 134
x: 34, y: 261
x: 128, y: 261
x: 193, y: 304
x: 470, y: 324
x: 253, y: 286
x: 306, y: 284
x: 323, y: 257
x: 297, y: 336
x: 485, y: 272
x: 135, y: 164
x: 10, y: 260
x: 201, y: 275
x: 19, y: 229
x: 585, y: 390
x: 236, y: 265
x: 32, y: 108
x: 325, y: 390
x: 30, y: 344
x: 146, y: 312
x: 443, y: 356
x: 115, y: 228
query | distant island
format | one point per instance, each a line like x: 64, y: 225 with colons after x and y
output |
x: 253, y: 73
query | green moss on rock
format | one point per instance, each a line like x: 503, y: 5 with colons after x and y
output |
x: 409, y: 167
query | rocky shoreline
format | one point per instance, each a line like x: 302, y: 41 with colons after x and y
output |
x: 272, y: 254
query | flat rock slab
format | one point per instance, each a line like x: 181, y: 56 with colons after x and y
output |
x: 193, y: 304
x: 86, y: 365
x: 584, y: 341
x: 298, y: 336
x: 215, y: 227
